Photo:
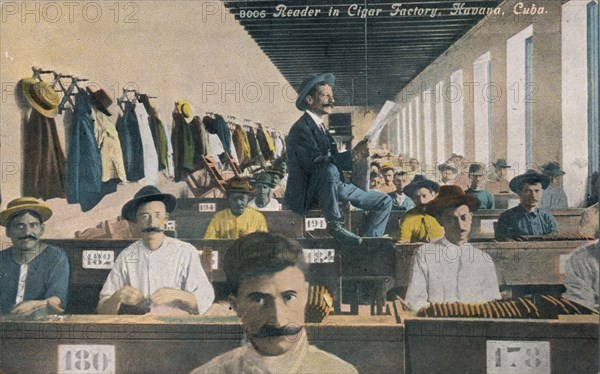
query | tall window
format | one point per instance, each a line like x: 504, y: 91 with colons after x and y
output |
x: 528, y: 101
x: 454, y: 93
x: 593, y: 35
x: 440, y: 122
x: 427, y: 126
x: 516, y: 106
x: 482, y: 108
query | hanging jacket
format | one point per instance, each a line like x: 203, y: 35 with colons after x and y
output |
x: 131, y: 143
x: 183, y: 147
x: 44, y: 164
x: 148, y: 148
x: 84, y: 170
x: 223, y: 132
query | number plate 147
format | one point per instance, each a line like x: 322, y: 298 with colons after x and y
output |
x: 518, y: 357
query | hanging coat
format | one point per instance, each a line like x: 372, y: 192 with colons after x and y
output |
x: 200, y: 137
x: 254, y: 148
x: 157, y: 130
x: 223, y: 133
x: 44, y: 164
x: 111, y: 155
x: 242, y: 146
x: 84, y: 169
x: 149, y: 150
x: 131, y: 143
x: 183, y: 147
x: 263, y: 144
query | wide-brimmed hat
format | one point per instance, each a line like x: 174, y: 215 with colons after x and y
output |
x: 451, y: 195
x: 476, y: 169
x: 238, y: 185
x: 552, y: 169
x: 530, y: 177
x: 386, y: 166
x: 25, y: 203
x: 101, y: 99
x: 501, y: 164
x: 308, y: 84
x: 264, y: 178
x: 448, y: 166
x: 41, y: 96
x: 144, y: 195
x: 422, y: 183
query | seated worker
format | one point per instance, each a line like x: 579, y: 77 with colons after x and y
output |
x: 266, y: 274
x: 554, y: 197
x: 414, y: 169
x: 156, y: 274
x: 263, y: 185
x: 526, y: 218
x: 500, y: 183
x: 375, y: 179
x: 476, y: 189
x: 387, y: 171
x: 239, y: 219
x: 450, y: 269
x: 582, y: 274
x: 416, y: 225
x: 401, y: 202
x: 448, y: 173
x: 34, y: 276
x: 280, y: 177
x: 315, y: 165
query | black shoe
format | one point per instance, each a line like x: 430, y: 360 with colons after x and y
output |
x: 335, y: 229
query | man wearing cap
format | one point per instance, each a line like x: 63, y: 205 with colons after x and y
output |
x: 238, y: 219
x: 156, y: 274
x: 400, y: 201
x: 263, y: 184
x: 450, y: 269
x: 387, y: 171
x: 267, y: 276
x: 554, y: 196
x: 34, y: 276
x: 417, y: 225
x: 314, y: 159
x: 476, y: 189
x: 499, y: 184
x: 526, y: 218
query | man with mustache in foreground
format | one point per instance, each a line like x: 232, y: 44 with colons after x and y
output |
x: 526, y: 218
x: 156, y: 274
x: 34, y: 276
x: 267, y: 279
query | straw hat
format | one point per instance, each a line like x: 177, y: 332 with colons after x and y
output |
x: 25, y: 203
x: 41, y: 96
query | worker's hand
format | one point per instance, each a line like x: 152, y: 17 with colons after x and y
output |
x: 27, y: 307
x: 167, y: 295
x: 129, y: 295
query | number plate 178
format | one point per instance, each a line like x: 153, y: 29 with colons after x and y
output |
x: 518, y: 357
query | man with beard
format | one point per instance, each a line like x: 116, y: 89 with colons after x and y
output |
x: 156, y: 274
x: 314, y: 163
x: 526, y: 218
x: 450, y: 269
x: 34, y: 276
x: 239, y: 219
x: 269, y: 291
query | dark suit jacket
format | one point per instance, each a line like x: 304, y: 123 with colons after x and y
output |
x: 308, y: 149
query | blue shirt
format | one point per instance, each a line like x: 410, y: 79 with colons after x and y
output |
x: 406, y: 205
x: 47, y: 276
x: 517, y: 221
x: 487, y: 199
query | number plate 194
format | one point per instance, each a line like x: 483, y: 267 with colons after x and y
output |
x: 86, y: 359
x: 518, y: 357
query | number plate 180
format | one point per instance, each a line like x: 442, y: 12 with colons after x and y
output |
x: 86, y: 359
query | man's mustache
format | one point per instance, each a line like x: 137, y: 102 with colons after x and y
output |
x: 32, y: 237
x: 152, y: 229
x: 270, y: 331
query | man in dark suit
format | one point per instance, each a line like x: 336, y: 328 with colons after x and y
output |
x: 314, y: 160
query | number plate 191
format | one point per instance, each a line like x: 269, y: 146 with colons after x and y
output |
x: 86, y: 359
x: 518, y: 357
